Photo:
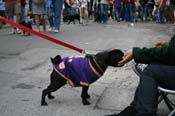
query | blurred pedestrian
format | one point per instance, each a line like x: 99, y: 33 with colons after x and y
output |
x: 57, y: 6
x: 13, y: 10
x: 104, y: 11
x: 83, y: 11
x: 172, y: 3
x: 39, y: 11
x: 130, y: 10
x: 24, y: 10
x: 144, y: 10
x: 67, y: 6
x: 162, y: 5
x: 150, y: 7
x: 2, y: 11
x: 117, y: 9
x: 50, y: 14
x: 138, y: 10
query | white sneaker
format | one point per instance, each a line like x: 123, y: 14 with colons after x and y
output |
x: 50, y: 29
x: 56, y: 31
x: 138, y: 68
x: 18, y: 31
x: 13, y: 31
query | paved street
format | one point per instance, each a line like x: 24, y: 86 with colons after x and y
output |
x: 25, y: 69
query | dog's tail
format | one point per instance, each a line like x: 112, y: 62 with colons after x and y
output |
x: 56, y: 60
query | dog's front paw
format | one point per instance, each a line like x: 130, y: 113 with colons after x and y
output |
x: 44, y: 103
x: 86, y: 102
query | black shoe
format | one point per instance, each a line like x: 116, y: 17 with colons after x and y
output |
x: 128, y: 111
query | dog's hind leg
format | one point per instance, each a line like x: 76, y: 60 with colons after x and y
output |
x: 85, y: 95
x: 68, y: 22
x: 56, y: 83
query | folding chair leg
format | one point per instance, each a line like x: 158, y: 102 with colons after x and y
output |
x: 167, y: 101
x: 172, y: 113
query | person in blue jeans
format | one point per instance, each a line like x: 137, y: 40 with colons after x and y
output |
x: 144, y: 9
x: 129, y: 10
x: 160, y: 71
x: 104, y: 11
x: 132, y: 11
x: 50, y: 14
x: 117, y: 6
x: 57, y: 6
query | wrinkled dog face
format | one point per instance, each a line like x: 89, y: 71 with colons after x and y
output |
x: 115, y: 56
x: 110, y: 57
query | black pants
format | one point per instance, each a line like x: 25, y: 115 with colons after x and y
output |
x: 146, y: 95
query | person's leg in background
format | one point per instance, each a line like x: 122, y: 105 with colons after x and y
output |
x: 105, y: 13
x: 160, y: 15
x: 17, y: 10
x: 10, y: 13
x: 43, y: 21
x: 117, y: 13
x: 132, y: 12
x: 50, y: 15
x: 127, y: 15
x: 57, y: 4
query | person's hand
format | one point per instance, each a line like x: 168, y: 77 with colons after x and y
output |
x: 128, y: 56
x: 161, y: 43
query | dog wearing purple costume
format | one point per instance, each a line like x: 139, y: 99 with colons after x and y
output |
x: 80, y: 71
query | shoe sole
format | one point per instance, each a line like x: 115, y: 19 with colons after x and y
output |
x: 134, y: 68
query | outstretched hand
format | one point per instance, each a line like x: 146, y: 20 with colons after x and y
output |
x: 161, y: 43
x: 128, y: 56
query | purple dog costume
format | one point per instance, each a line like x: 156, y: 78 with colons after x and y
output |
x: 78, y: 71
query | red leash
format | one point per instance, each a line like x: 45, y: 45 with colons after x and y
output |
x: 46, y: 37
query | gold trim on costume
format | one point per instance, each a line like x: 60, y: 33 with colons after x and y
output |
x: 84, y: 83
x: 69, y: 81
x: 98, y: 66
x: 94, y: 70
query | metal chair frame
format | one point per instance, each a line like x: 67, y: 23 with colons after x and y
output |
x: 164, y: 96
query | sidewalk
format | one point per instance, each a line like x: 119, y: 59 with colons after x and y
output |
x: 25, y: 69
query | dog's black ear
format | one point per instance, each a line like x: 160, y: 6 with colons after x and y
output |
x: 117, y: 52
x: 56, y: 60
x: 115, y: 56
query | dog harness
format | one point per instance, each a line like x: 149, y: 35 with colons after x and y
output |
x: 79, y: 71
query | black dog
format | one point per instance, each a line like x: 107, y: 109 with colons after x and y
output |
x: 72, y: 18
x: 27, y: 24
x: 80, y: 71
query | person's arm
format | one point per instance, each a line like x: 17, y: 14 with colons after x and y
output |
x: 164, y: 54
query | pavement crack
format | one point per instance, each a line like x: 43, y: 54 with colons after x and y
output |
x: 8, y: 55
x: 99, y: 99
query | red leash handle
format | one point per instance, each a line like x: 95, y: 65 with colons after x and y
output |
x: 43, y: 36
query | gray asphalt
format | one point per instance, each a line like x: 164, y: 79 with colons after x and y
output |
x: 25, y: 69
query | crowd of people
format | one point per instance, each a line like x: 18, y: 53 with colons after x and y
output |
x: 54, y: 11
